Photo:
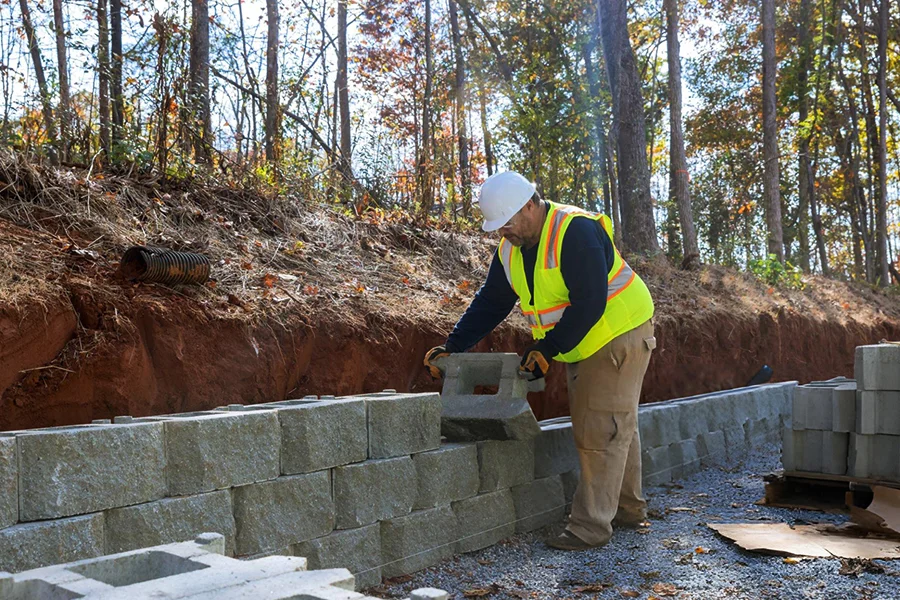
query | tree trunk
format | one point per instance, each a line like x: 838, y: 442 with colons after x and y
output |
x: 118, y: 103
x: 63, y: 66
x: 343, y: 100
x: 200, y: 126
x: 460, y: 95
x: 46, y: 104
x: 771, y: 174
x: 273, y: 110
x: 426, y: 195
x: 485, y: 130
x: 805, y: 190
x: 162, y: 92
x: 103, y: 75
x: 884, y: 276
x: 873, y: 148
x: 639, y: 228
x: 598, y: 147
x: 679, y: 182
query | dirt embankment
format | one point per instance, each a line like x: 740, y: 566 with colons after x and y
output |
x: 324, y: 304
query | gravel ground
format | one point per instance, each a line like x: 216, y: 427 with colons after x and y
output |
x: 677, y: 556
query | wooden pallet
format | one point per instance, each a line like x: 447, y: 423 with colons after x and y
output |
x: 819, y: 491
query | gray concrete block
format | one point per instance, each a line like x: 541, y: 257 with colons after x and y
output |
x: 321, y: 435
x: 877, y: 367
x: 505, y: 464
x: 170, y: 520
x: 215, y: 451
x: 418, y: 540
x: 32, y: 545
x: 554, y: 449
x: 570, y: 484
x: 285, y: 511
x: 711, y: 448
x: 835, y: 449
x: 878, y: 412
x: 67, y: 471
x: 358, y: 550
x: 403, y: 424
x: 484, y: 520
x: 685, y: 459
x: 466, y: 416
x: 874, y: 456
x: 373, y: 490
x: 736, y: 443
x: 656, y: 465
x: 658, y: 424
x: 843, y: 408
x: 813, y: 407
x: 788, y: 450
x: 539, y: 503
x: 446, y: 475
x: 9, y: 482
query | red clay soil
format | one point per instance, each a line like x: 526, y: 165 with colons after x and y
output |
x: 94, y: 347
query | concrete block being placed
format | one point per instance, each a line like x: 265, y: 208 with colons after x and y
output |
x: 539, y: 503
x: 373, y: 491
x: 554, y: 449
x: 877, y: 367
x: 446, y: 475
x: 67, y: 471
x: 217, y: 450
x: 170, y: 520
x: 9, y: 482
x: 467, y: 416
x: 505, y: 464
x: 288, y: 510
x: 418, y: 540
x: 32, y: 545
x: 321, y: 435
x: 403, y: 424
x: 358, y: 550
x: 843, y: 408
x: 484, y: 520
x: 878, y: 412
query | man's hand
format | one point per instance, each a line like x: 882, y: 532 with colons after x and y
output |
x: 536, y: 361
x: 432, y: 355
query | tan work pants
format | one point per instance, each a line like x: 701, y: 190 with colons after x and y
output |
x: 604, y: 390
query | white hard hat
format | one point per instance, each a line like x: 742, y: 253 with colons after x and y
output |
x: 501, y: 196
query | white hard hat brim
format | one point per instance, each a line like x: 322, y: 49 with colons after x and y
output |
x: 494, y: 225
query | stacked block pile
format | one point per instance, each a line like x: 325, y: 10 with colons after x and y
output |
x: 849, y: 427
x: 363, y: 483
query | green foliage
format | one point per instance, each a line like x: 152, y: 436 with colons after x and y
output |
x: 771, y: 271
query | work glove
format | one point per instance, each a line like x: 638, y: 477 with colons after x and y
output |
x: 535, y: 361
x: 431, y: 356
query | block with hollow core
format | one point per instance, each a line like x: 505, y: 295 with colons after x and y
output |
x: 218, y: 450
x: 276, y: 514
x: 505, y: 464
x: 554, y: 448
x: 66, y: 471
x: 878, y: 412
x: 170, y: 520
x: 446, y: 475
x: 418, y: 540
x: 877, y: 367
x: 32, y: 545
x: 484, y: 520
x: 9, y: 482
x: 468, y: 416
x: 358, y: 550
x: 539, y: 503
x: 403, y: 424
x: 373, y: 490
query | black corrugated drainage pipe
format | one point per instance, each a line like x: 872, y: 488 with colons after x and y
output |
x: 161, y: 265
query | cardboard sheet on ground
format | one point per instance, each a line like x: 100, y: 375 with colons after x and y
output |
x: 823, y: 540
x: 882, y: 515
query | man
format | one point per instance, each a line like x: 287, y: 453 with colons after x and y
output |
x: 586, y: 308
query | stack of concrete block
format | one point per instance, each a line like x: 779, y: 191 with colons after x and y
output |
x: 875, y: 444
x: 467, y: 416
x: 186, y: 570
x: 823, y: 415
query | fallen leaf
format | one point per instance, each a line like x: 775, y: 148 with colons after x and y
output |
x: 701, y: 550
x: 650, y: 574
x: 480, y: 592
x: 631, y: 594
x: 665, y: 589
x: 855, y: 567
x: 482, y: 561
x: 269, y: 280
x: 591, y: 587
x: 246, y: 265
x: 399, y: 579
x: 685, y: 559
x: 791, y: 560
x: 677, y: 509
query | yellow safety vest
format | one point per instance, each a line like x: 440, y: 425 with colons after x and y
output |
x: 628, y: 301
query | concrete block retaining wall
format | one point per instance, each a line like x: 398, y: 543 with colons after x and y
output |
x: 361, y: 482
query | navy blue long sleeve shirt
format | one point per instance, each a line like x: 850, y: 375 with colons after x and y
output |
x: 587, y: 258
